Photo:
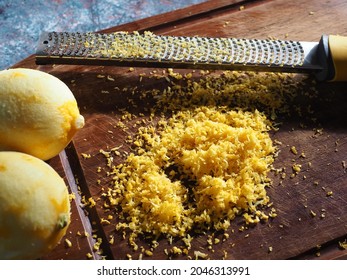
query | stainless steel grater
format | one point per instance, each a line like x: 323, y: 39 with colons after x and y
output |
x: 149, y: 50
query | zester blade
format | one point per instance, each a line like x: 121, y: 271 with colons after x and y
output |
x: 149, y: 50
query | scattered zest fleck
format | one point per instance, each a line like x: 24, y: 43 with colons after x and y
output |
x: 85, y: 156
x: 68, y: 243
x: 343, y: 245
x: 294, y: 150
x: 329, y: 193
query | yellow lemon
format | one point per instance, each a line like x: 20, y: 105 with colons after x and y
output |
x: 34, y: 206
x: 38, y: 113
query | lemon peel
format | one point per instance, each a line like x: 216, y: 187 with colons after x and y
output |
x: 39, y: 114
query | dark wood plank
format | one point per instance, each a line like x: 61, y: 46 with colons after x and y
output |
x: 188, y: 14
x: 295, y: 233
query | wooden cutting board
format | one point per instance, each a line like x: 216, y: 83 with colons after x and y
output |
x: 296, y: 232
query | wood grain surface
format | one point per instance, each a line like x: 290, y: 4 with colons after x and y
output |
x: 295, y: 233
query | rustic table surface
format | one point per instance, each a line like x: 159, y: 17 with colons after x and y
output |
x: 295, y: 233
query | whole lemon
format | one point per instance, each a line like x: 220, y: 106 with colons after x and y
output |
x: 34, y: 206
x: 38, y: 113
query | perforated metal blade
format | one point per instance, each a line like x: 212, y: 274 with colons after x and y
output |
x: 149, y: 50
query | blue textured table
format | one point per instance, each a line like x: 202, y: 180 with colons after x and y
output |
x: 21, y: 22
